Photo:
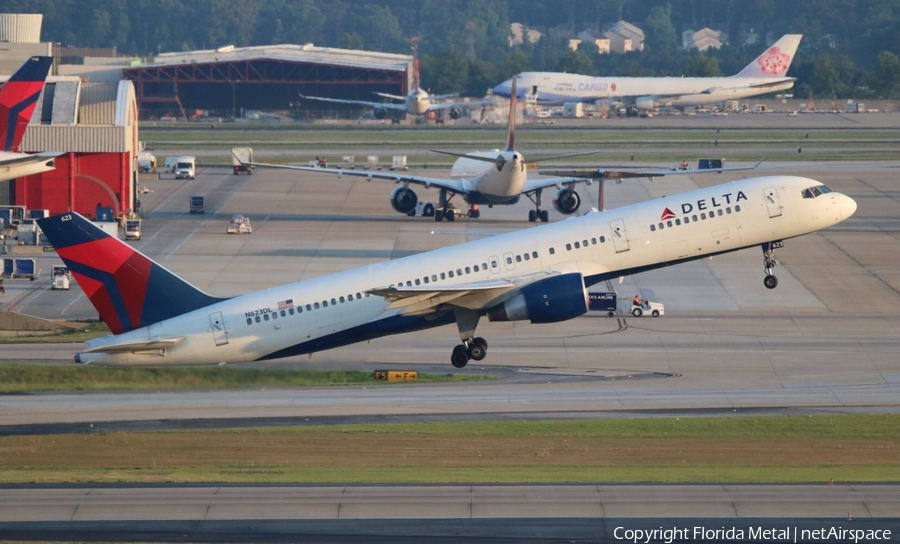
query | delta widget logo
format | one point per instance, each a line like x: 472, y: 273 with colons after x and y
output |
x: 774, y: 62
x: 667, y: 214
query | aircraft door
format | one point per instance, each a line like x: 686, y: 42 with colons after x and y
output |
x: 217, y: 324
x: 495, y: 264
x: 619, y: 235
x: 773, y: 202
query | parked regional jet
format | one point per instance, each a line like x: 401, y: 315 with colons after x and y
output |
x: 766, y: 74
x: 490, y: 178
x: 540, y: 274
x: 18, y: 97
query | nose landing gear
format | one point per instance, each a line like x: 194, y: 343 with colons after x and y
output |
x: 537, y: 213
x: 770, y: 281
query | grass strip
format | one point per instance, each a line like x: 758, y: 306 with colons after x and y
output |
x: 18, y: 378
x: 93, y: 330
x: 740, y: 449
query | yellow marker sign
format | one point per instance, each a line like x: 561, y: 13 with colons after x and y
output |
x: 532, y: 165
x: 396, y: 375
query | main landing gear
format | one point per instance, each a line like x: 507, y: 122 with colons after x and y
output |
x: 444, y: 210
x: 537, y: 212
x: 770, y: 281
x: 474, y: 212
x: 471, y: 347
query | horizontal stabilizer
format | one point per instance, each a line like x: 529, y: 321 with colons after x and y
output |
x: 146, y: 345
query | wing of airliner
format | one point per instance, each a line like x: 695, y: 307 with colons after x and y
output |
x: 603, y: 173
x: 385, y: 105
x: 454, y: 185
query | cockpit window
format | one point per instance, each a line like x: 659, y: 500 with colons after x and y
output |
x: 814, y: 191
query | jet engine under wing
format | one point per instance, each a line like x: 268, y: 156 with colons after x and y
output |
x: 454, y: 185
x: 602, y: 173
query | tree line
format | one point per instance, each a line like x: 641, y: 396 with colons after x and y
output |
x: 850, y: 47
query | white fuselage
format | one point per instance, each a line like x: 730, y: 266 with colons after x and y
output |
x: 552, y: 87
x: 601, y: 245
x: 485, y: 183
x: 418, y: 102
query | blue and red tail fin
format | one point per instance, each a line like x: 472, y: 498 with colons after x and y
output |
x: 18, y: 97
x: 127, y: 288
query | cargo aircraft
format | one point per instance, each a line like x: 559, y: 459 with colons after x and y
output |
x: 489, y: 178
x: 766, y: 74
x: 18, y: 98
x: 540, y: 274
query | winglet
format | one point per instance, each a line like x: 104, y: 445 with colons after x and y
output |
x: 776, y: 60
x: 511, y: 130
x: 18, y: 97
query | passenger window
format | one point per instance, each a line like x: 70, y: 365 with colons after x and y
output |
x: 694, y: 218
x: 476, y: 268
x: 317, y: 305
x: 518, y: 258
x: 309, y: 308
x: 534, y: 254
x: 358, y: 296
x: 661, y: 226
x: 720, y: 212
x: 249, y: 321
x: 257, y: 319
x: 283, y: 313
x: 434, y: 277
x: 426, y: 279
x: 408, y: 284
x: 509, y: 260
x: 324, y: 303
x: 417, y: 282
x: 678, y: 221
x: 568, y: 247
x: 728, y: 210
x: 444, y: 276
x: 468, y: 270
x: 703, y: 215
x: 687, y: 220
x: 669, y: 223
x: 459, y: 271
x: 652, y: 228
x: 577, y: 245
x: 342, y: 300
x: 265, y: 317
x: 450, y: 273
x: 274, y: 315
x: 602, y: 239
x: 494, y: 264
x: 584, y: 243
x: 552, y: 251
x: 593, y: 241
x: 737, y: 207
x: 527, y: 256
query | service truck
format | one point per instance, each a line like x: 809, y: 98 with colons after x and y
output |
x: 186, y: 168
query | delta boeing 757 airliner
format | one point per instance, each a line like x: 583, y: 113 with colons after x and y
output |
x: 540, y: 274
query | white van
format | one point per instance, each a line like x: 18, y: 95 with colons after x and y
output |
x: 186, y: 168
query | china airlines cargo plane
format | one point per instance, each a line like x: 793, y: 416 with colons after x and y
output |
x: 539, y: 274
x: 766, y: 74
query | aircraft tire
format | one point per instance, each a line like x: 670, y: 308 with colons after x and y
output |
x: 428, y: 210
x: 476, y: 351
x: 460, y: 356
x: 545, y: 216
x: 480, y: 340
x: 532, y: 216
x: 450, y: 215
x: 770, y: 281
x: 438, y: 215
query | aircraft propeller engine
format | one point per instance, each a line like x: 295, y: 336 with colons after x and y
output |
x: 566, y: 201
x: 404, y: 199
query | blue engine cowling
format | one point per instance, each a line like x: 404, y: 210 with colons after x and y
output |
x: 380, y: 113
x: 566, y: 201
x: 455, y: 113
x: 404, y: 199
x: 552, y: 300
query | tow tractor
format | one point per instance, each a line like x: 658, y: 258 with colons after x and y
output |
x: 61, y: 278
x: 239, y: 225
x: 655, y: 309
